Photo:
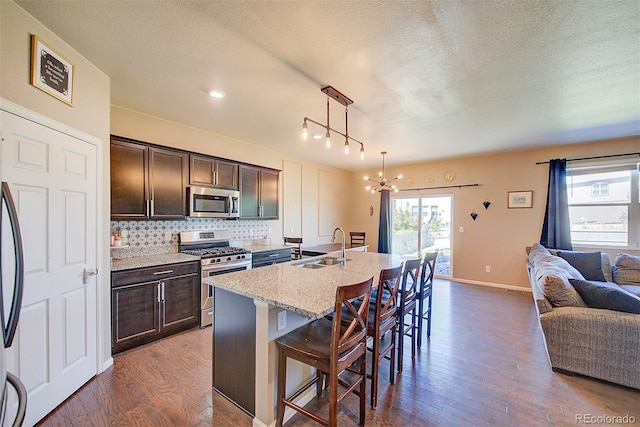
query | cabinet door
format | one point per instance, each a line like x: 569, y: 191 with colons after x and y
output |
x: 249, y: 192
x: 180, y: 302
x: 134, y: 314
x: 269, y: 193
x: 201, y: 171
x: 167, y: 182
x: 226, y: 175
x: 129, y: 190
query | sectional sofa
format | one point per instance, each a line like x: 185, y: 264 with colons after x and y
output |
x: 591, y: 324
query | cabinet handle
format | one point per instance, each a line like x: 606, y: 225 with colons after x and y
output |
x: 147, y: 212
x: 215, y: 177
x: 162, y: 291
x: 260, y: 210
x: 158, y: 289
x: 273, y: 255
x: 152, y: 207
x: 157, y: 273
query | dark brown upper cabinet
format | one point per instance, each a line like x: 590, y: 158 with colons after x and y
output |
x: 258, y: 192
x: 212, y: 172
x: 147, y: 182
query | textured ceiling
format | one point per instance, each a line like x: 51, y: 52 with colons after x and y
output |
x: 429, y: 80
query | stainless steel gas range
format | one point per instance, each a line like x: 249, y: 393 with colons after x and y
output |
x: 216, y: 257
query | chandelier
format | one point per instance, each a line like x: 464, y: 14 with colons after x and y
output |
x: 336, y: 95
x: 383, y: 184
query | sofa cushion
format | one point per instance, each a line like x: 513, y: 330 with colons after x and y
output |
x: 632, y: 289
x: 626, y: 269
x: 589, y: 264
x: 606, y: 295
x: 536, y: 250
x: 552, y: 276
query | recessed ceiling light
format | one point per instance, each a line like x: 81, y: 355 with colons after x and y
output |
x: 217, y: 94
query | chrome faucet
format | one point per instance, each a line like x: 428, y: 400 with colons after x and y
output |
x: 343, y: 257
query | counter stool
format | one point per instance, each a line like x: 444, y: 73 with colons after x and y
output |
x: 425, y: 292
x: 296, y: 252
x: 408, y: 294
x: 357, y: 237
x: 331, y: 349
x: 382, y: 319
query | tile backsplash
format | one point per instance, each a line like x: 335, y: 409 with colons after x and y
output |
x: 152, y: 233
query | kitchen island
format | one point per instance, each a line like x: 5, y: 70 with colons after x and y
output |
x: 247, y: 308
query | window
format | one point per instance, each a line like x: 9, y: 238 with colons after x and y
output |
x: 604, y: 205
x: 600, y: 189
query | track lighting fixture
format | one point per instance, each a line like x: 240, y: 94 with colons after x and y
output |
x: 333, y: 93
x: 383, y: 184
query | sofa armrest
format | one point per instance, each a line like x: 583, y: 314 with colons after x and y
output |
x: 595, y: 342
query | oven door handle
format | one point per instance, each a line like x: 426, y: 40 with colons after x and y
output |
x: 228, y: 266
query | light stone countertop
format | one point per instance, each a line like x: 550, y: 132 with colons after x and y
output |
x: 310, y: 292
x: 150, y: 261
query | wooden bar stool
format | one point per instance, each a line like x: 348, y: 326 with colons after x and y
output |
x: 408, y: 294
x: 331, y: 348
x: 296, y: 252
x: 425, y: 292
x: 357, y: 237
x: 382, y: 319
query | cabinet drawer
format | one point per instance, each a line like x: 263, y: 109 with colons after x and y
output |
x: 149, y: 274
x: 260, y: 259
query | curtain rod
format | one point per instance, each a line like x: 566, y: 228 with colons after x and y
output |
x: 437, y: 188
x: 592, y: 158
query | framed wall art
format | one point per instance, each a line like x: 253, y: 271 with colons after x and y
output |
x: 51, y: 72
x: 519, y: 199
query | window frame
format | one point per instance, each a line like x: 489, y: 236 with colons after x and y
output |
x: 633, y: 205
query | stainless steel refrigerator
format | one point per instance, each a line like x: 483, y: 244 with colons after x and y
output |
x: 11, y: 285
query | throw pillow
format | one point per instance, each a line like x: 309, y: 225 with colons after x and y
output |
x: 627, y: 269
x: 589, y: 264
x: 606, y: 295
x: 552, y: 276
x: 536, y: 250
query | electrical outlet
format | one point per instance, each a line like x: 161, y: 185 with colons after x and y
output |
x: 167, y: 236
x: 487, y: 268
x: 461, y: 229
x: 292, y: 229
x: 282, y: 320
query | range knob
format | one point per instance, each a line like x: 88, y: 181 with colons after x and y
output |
x: 228, y: 258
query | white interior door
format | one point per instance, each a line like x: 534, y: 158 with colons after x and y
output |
x: 53, y: 180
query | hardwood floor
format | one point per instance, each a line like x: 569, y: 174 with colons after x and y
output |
x: 484, y: 365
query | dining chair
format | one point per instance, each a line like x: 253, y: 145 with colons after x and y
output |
x: 296, y: 252
x: 357, y: 237
x: 425, y: 291
x: 408, y: 295
x: 331, y: 348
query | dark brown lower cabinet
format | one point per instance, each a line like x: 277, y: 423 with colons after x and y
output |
x: 234, y: 348
x: 153, y: 302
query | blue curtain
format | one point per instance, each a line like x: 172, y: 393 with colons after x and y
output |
x: 384, y: 231
x: 556, y: 230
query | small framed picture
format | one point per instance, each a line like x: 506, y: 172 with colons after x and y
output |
x: 50, y: 72
x: 519, y: 199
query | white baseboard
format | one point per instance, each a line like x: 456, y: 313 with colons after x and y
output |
x: 107, y: 364
x: 492, y: 285
x: 304, y: 398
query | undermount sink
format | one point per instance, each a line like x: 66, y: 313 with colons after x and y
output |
x: 319, y: 263
x: 311, y: 265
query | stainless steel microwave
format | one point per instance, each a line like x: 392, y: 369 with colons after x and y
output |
x: 213, y: 202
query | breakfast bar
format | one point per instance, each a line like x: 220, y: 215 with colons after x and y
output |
x: 260, y: 305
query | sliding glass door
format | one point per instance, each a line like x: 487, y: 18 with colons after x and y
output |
x: 421, y: 224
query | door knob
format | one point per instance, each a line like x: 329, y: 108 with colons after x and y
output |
x: 88, y: 272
